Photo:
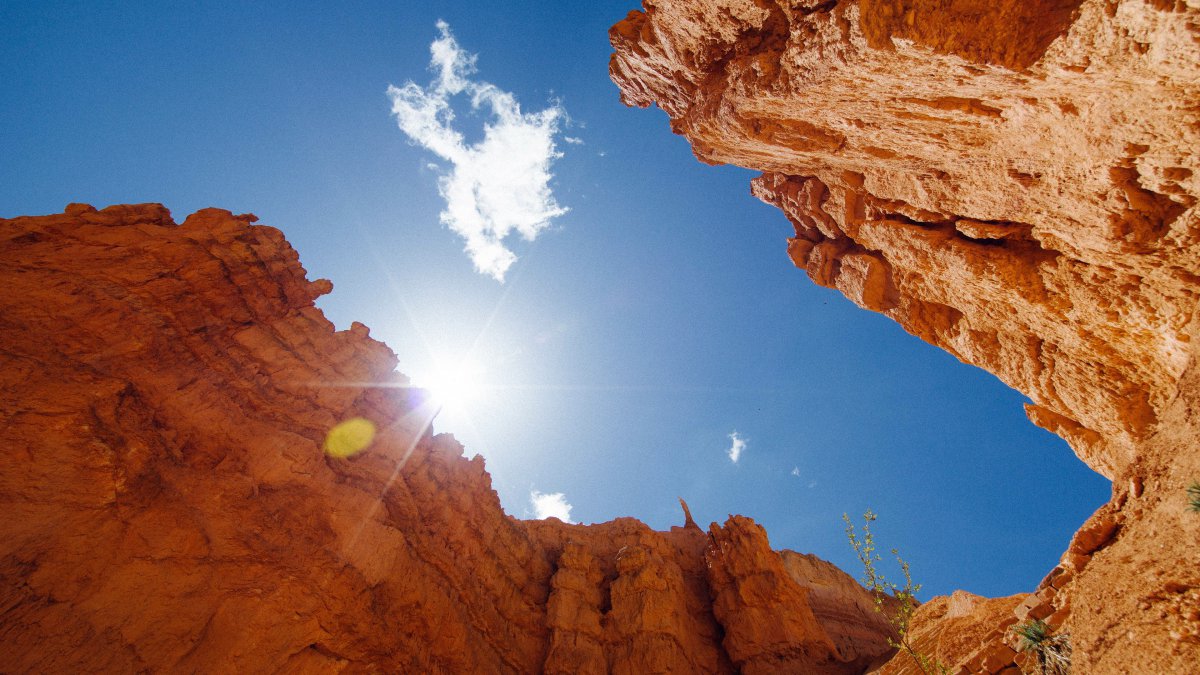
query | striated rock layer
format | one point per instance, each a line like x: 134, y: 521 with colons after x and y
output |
x: 1015, y: 181
x: 165, y: 391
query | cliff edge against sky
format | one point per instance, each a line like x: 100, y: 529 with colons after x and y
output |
x: 1012, y: 181
x: 166, y: 390
x: 1015, y: 182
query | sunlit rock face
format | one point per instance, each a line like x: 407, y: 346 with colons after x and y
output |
x: 174, y: 502
x: 776, y: 614
x: 951, y: 629
x: 1023, y: 199
x: 1014, y: 181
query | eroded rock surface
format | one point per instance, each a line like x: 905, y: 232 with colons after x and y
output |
x: 861, y: 630
x: 165, y: 391
x: 956, y: 628
x: 1023, y: 199
x: 1014, y: 181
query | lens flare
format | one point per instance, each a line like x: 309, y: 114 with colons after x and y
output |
x: 349, y: 437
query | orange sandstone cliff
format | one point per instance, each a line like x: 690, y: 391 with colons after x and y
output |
x: 1015, y: 181
x: 165, y: 391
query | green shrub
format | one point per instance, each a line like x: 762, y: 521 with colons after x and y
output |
x: 1053, y: 652
x: 880, y: 587
x: 1193, y: 492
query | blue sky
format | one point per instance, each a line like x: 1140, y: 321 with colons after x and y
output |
x: 641, y: 328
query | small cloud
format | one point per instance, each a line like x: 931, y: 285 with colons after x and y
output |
x: 812, y: 483
x: 497, y: 186
x: 547, y: 505
x: 572, y: 140
x: 736, y: 447
x: 796, y: 471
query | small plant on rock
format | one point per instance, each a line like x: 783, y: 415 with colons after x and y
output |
x: 880, y: 587
x: 1053, y: 652
x: 1193, y: 492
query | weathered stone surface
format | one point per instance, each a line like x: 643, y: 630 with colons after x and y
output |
x: 1022, y: 197
x: 165, y: 391
x: 844, y: 607
x: 627, y: 599
x: 751, y: 587
x: 1015, y: 182
x: 956, y: 630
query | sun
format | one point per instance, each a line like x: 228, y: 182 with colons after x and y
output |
x: 457, y: 385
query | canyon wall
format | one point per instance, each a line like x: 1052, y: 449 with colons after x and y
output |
x: 1031, y: 213
x: 1014, y: 181
x: 165, y: 392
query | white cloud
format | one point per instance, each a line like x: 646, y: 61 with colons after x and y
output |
x: 736, y: 448
x: 796, y: 471
x: 547, y: 505
x: 572, y: 140
x: 497, y: 186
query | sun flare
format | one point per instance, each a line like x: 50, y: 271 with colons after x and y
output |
x: 457, y: 386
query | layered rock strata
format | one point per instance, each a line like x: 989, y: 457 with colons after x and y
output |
x: 1013, y: 181
x: 165, y: 391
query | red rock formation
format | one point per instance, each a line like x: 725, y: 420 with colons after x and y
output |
x: 1014, y: 181
x: 856, y: 627
x: 165, y: 391
x: 953, y: 629
x: 769, y: 624
x: 1024, y: 203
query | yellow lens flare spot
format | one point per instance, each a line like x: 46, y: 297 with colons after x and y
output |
x: 349, y: 437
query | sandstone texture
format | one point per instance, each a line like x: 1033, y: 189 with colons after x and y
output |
x: 1016, y: 182
x: 165, y: 391
x: 1029, y: 210
x: 955, y: 628
x: 860, y: 630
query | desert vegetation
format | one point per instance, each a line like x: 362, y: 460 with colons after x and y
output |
x: 1052, y: 651
x: 880, y: 587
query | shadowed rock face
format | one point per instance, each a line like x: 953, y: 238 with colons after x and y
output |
x: 1014, y: 181
x: 1014, y: 34
x: 861, y: 629
x: 165, y: 391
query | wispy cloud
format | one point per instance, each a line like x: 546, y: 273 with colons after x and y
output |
x: 497, y: 186
x: 812, y: 483
x: 738, y: 444
x: 547, y: 505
